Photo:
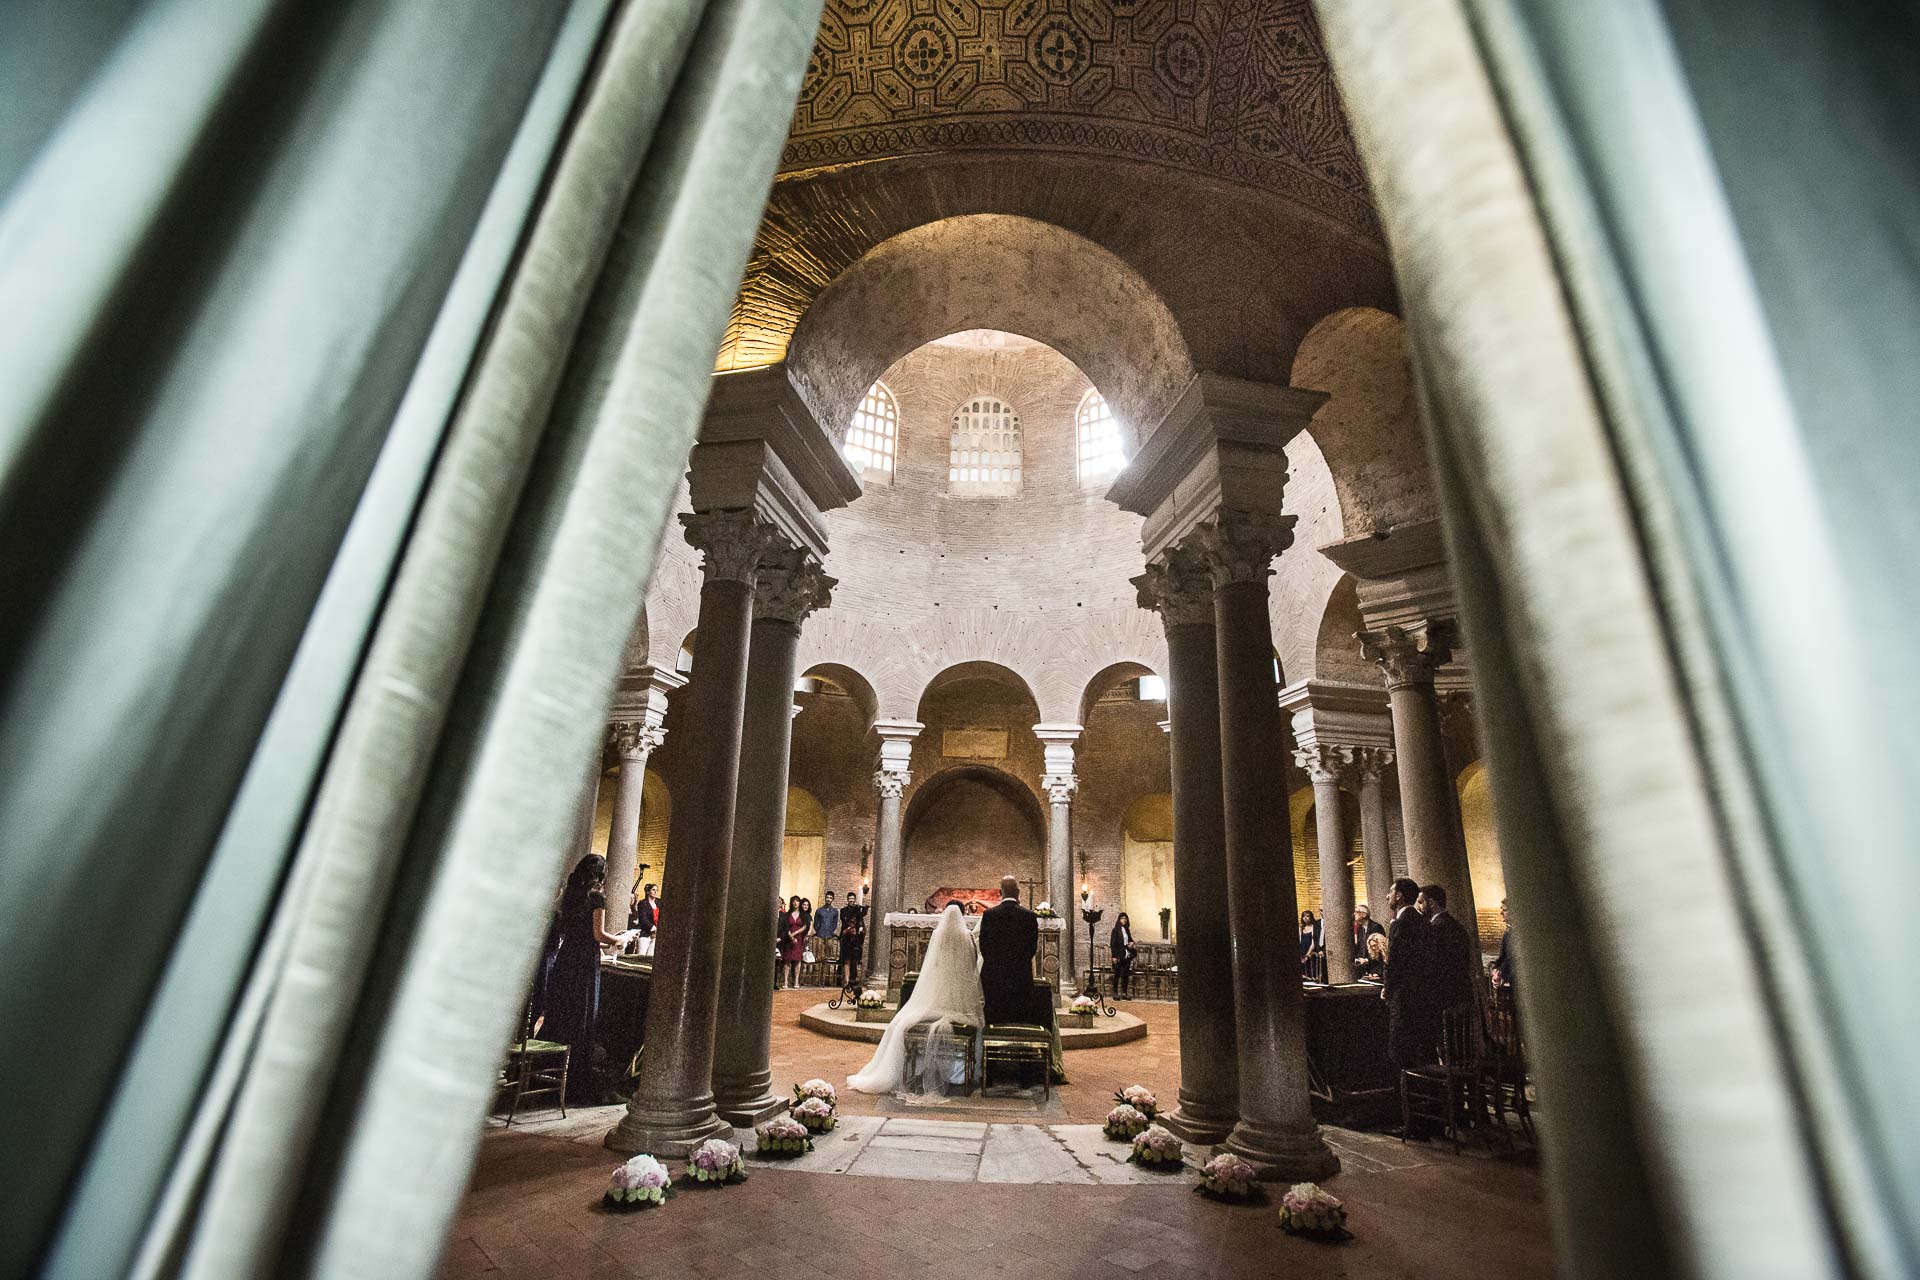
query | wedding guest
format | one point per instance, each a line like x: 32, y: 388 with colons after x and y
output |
x: 1120, y: 947
x: 1503, y: 974
x: 1364, y: 927
x: 573, y: 992
x: 644, y: 918
x: 853, y: 938
x: 795, y: 926
x: 1374, y: 967
x: 1411, y: 1028
x: 1453, y: 968
x: 826, y: 919
x: 1309, y: 946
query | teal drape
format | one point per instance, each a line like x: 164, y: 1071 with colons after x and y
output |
x: 300, y: 659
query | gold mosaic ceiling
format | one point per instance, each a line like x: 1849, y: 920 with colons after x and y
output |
x: 1237, y: 89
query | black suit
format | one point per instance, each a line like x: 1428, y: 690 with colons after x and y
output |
x: 1503, y: 963
x: 1009, y: 935
x: 1453, y: 966
x: 1411, y: 1027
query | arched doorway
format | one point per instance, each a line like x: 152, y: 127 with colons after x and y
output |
x: 967, y: 827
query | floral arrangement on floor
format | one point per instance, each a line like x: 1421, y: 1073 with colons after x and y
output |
x: 716, y: 1163
x: 816, y: 1088
x: 640, y: 1183
x: 1228, y: 1177
x: 871, y: 1000
x: 1306, y: 1210
x: 783, y: 1137
x: 1125, y: 1123
x: 816, y: 1114
x: 1141, y: 1099
x: 1157, y: 1148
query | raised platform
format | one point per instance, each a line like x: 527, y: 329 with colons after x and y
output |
x: 839, y: 1023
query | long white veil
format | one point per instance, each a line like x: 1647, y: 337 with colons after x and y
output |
x: 947, y: 991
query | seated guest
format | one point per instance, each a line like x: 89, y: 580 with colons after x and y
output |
x: 1373, y: 967
x: 1364, y: 927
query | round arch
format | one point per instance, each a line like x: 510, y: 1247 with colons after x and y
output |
x: 852, y: 683
x: 1106, y: 678
x: 1369, y: 432
x: 967, y: 826
x: 977, y: 669
x: 992, y: 271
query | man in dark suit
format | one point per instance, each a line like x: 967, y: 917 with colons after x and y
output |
x: 1411, y: 1030
x: 1452, y: 955
x: 1009, y: 935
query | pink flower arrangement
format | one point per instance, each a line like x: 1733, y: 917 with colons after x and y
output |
x: 783, y: 1136
x: 716, y: 1162
x: 816, y: 1114
x: 640, y: 1183
x: 1140, y: 1098
x: 1228, y: 1177
x: 1157, y: 1148
x: 1083, y: 1005
x: 1306, y: 1210
x: 815, y: 1088
x: 1125, y: 1123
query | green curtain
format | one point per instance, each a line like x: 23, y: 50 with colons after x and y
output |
x: 1658, y: 268
x: 300, y: 657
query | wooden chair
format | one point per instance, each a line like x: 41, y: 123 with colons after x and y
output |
x: 535, y: 1069
x: 1445, y: 1090
x: 1505, y: 1066
x: 1009, y: 1047
x: 966, y: 1037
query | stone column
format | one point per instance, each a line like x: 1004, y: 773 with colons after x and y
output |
x: 1181, y: 593
x: 1276, y: 1129
x: 1057, y: 741
x: 1370, y: 765
x: 589, y: 808
x: 790, y: 587
x: 672, y: 1108
x: 1409, y: 656
x: 890, y: 780
x: 1326, y: 765
x: 634, y: 741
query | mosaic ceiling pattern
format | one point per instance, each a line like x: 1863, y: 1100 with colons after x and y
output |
x: 1239, y: 89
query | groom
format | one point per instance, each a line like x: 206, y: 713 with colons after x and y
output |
x: 1009, y: 934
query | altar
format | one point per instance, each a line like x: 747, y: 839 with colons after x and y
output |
x: 909, y: 931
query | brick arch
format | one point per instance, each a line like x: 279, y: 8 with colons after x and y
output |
x: 849, y: 678
x: 978, y: 669
x: 1107, y: 677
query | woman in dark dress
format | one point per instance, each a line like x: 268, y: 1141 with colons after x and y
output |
x: 573, y: 989
x: 1309, y: 947
x: 1120, y: 947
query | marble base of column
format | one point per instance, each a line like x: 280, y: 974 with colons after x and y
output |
x: 1276, y: 1129
x: 672, y: 1109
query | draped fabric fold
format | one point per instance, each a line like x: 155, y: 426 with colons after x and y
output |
x: 387, y: 976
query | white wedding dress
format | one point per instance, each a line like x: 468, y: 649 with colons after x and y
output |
x: 947, y: 991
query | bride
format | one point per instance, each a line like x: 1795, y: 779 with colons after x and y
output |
x: 948, y: 991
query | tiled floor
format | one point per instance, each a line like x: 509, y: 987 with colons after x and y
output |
x: 941, y: 1195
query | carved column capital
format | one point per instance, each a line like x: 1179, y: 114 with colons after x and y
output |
x: 891, y: 783
x: 1178, y: 587
x: 1060, y: 787
x: 1410, y: 655
x: 1326, y: 762
x: 790, y: 585
x: 1372, y: 763
x: 1240, y: 546
x: 635, y: 739
x: 731, y: 543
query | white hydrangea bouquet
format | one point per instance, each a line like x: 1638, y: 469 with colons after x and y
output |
x: 716, y: 1163
x: 783, y: 1137
x: 640, y: 1183
x: 1306, y: 1210
x: 815, y: 1115
x: 1157, y: 1148
x: 1228, y: 1177
x: 871, y: 1000
x: 1125, y: 1123
x: 1141, y: 1099
x: 1083, y: 1007
x: 815, y: 1088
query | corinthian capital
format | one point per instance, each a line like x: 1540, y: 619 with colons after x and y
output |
x: 731, y: 543
x: 1325, y: 762
x: 1060, y: 787
x: 891, y: 783
x: 1372, y: 763
x: 1239, y: 546
x: 791, y: 586
x: 1177, y: 586
x: 635, y: 739
x: 1411, y: 654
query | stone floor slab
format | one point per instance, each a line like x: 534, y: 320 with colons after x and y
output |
x: 916, y: 1166
x: 925, y: 1142
x: 832, y: 1152
x: 1028, y: 1153
x: 975, y: 1130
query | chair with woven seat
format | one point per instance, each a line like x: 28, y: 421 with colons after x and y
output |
x: 534, y: 1069
x: 1445, y: 1090
x: 1021, y: 1047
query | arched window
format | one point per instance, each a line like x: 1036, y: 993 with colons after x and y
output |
x: 984, y: 460
x: 874, y: 431
x: 1098, y: 433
